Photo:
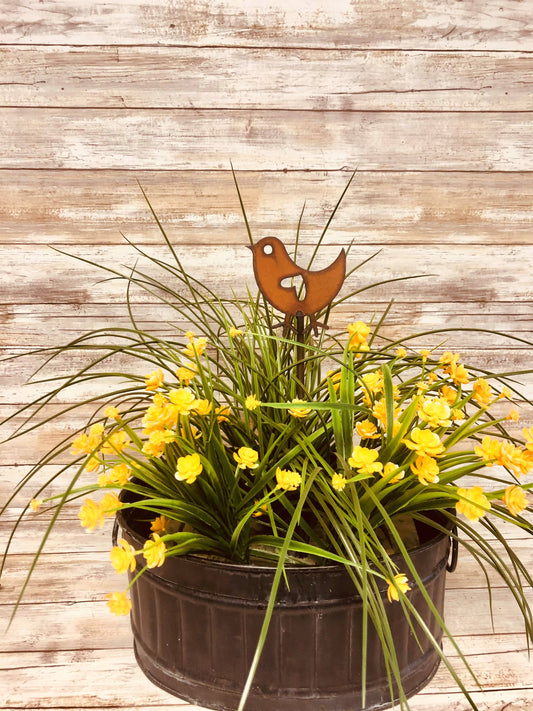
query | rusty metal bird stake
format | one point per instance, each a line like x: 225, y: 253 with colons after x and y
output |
x: 273, y: 266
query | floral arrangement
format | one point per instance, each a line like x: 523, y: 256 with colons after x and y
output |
x: 210, y: 431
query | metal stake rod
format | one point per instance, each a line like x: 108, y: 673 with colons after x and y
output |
x: 300, y: 354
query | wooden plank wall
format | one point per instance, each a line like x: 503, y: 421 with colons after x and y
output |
x: 431, y: 103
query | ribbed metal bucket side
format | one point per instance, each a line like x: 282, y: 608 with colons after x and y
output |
x: 196, y: 636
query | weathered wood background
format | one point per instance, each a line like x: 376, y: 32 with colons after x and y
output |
x: 430, y: 101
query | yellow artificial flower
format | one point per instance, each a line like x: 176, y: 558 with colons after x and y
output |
x: 154, y: 379
x: 396, y: 586
x: 482, y: 392
x: 425, y: 354
x: 159, y: 415
x: 159, y: 524
x: 189, y: 335
x: 85, y: 444
x: 363, y: 348
x: 252, y: 403
x: 489, y: 450
x: 222, y: 413
x: 234, y: 332
x: 372, y: 385
x: 120, y: 474
x: 246, y: 458
x: 388, y: 469
x: 260, y: 511
x: 112, y: 413
x: 367, y: 430
x: 203, y: 407
x: 459, y: 375
x: 514, y: 459
x: 506, y: 392
x: 334, y: 378
x: 379, y: 411
x: 358, y: 332
x: 183, y: 400
x: 449, y: 358
x: 424, y: 442
x: 338, y: 482
x: 92, y: 464
x: 528, y: 436
x: 364, y: 460
x: 105, y: 479
x: 123, y: 557
x: 452, y: 367
x: 189, y: 468
x: 35, y: 504
x: 154, y: 552
x: 186, y: 373
x: 436, y: 412
x: 110, y: 504
x: 426, y: 469
x: 155, y: 447
x: 513, y: 415
x: 515, y: 499
x: 119, y: 603
x: 401, y: 352
x: 421, y: 387
x: 287, y: 479
x: 432, y: 378
x: 448, y: 393
x: 91, y: 515
x: 299, y: 411
x: 474, y: 504
x: 116, y: 442
x: 195, y: 347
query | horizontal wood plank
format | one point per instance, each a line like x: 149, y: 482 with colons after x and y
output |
x: 202, y: 207
x: 418, y: 24
x: 263, y: 140
x: 225, y: 77
x: 464, y: 273
x: 30, y: 326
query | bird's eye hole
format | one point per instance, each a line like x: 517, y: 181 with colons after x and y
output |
x: 268, y: 249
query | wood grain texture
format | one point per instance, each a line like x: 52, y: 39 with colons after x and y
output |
x: 417, y: 24
x: 298, y: 79
x: 201, y: 139
x: 201, y: 207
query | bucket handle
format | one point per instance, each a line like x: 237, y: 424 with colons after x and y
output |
x: 114, y: 535
x: 451, y: 565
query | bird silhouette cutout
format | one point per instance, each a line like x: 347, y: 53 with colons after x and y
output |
x: 273, y: 266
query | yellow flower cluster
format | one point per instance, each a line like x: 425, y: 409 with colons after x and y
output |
x: 123, y: 557
x: 246, y: 458
x: 92, y: 514
x: 117, y: 476
x: 518, y: 461
x: 287, y: 479
x: 189, y: 468
x: 252, y: 403
x: 455, y: 370
x: 426, y: 469
x: 358, y: 333
x: 338, y: 482
x: 299, y: 411
x: 365, y: 460
x: 397, y: 586
x: 119, y: 603
x: 435, y: 411
x: 473, y: 503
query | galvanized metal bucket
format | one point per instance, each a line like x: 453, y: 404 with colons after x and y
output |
x: 196, y: 624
